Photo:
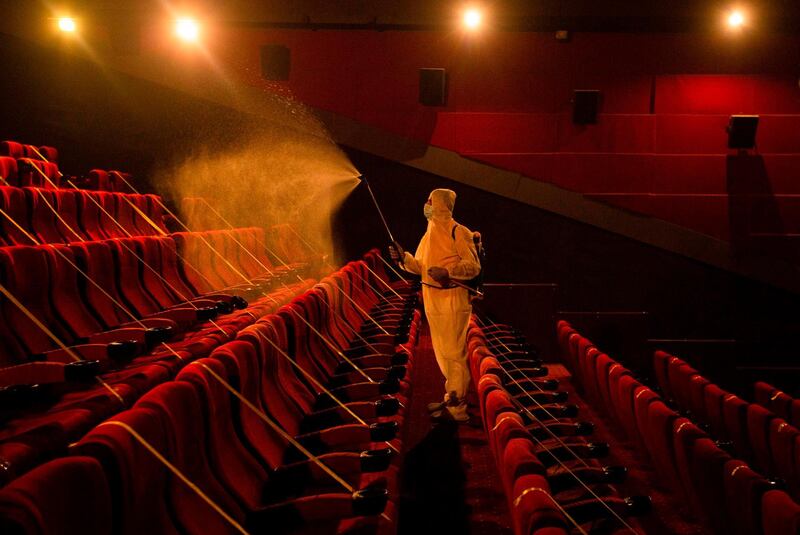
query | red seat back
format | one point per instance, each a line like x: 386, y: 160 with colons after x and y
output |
x: 14, y: 203
x: 44, y: 220
x: 68, y: 496
x: 101, y: 288
x: 758, y: 424
x: 780, y: 515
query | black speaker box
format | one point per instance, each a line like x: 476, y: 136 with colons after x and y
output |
x: 742, y: 131
x: 275, y: 62
x: 585, y: 103
x: 432, y: 87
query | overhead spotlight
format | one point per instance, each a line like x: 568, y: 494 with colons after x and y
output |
x: 67, y: 24
x: 472, y: 19
x: 736, y: 19
x: 187, y: 29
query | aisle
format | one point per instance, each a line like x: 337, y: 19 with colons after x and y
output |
x: 449, y: 482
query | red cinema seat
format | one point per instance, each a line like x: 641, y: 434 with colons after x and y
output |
x: 49, y: 153
x: 625, y: 405
x: 66, y: 298
x: 126, y: 214
x: 98, y: 180
x: 784, y: 441
x: 12, y: 149
x: 697, y: 385
x: 202, y: 410
x: 586, y: 356
x: 679, y: 375
x: 603, y: 366
x: 25, y: 274
x: 68, y: 223
x: 96, y: 260
x: 656, y: 420
x: 107, y: 206
x: 142, y: 220
x: 534, y: 511
x: 222, y: 260
x: 758, y: 424
x: 38, y: 174
x: 171, y: 267
x: 713, y: 397
x: 68, y: 496
x: 743, y: 491
x: 661, y: 361
x: 734, y: 415
x: 156, y: 284
x: 16, y: 230
x: 701, y: 467
x: 118, y: 181
x: 147, y: 497
x: 773, y: 399
x: 198, y: 254
x: 780, y: 515
x: 44, y: 215
x: 89, y: 208
x: 616, y: 374
x: 155, y: 211
x: 8, y: 171
x: 126, y: 258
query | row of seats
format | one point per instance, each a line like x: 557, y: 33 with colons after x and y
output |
x: 721, y: 490
x: 777, y: 401
x: 108, y: 302
x: 27, y: 165
x: 19, y: 163
x: 232, y: 258
x: 251, y: 437
x: 67, y: 215
x: 198, y: 216
x: 102, y: 180
x: 29, y: 172
x: 759, y: 436
x: 284, y: 241
x: 16, y: 150
x: 84, y: 290
x: 550, y: 470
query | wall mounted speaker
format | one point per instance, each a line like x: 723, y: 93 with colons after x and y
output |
x: 585, y: 103
x: 742, y: 131
x: 432, y: 87
x: 275, y: 62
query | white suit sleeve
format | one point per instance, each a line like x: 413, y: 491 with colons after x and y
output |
x: 410, y: 264
x: 468, y: 265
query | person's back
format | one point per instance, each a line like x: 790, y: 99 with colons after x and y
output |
x: 446, y: 251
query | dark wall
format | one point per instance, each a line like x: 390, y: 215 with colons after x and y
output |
x: 103, y: 119
x: 595, y: 270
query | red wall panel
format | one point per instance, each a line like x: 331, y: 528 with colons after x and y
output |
x: 660, y: 143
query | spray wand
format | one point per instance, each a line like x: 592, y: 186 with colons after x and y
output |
x: 363, y: 179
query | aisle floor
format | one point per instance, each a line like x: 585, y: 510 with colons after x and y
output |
x: 449, y: 481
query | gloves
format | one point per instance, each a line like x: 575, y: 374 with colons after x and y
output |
x: 396, y: 252
x: 440, y: 275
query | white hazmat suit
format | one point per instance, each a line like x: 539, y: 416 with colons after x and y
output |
x: 448, y: 245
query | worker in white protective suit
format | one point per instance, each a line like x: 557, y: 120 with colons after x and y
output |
x: 445, y: 252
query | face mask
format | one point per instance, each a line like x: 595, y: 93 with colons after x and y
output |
x: 428, y: 211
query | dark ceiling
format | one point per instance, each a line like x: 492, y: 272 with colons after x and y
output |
x: 514, y: 15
